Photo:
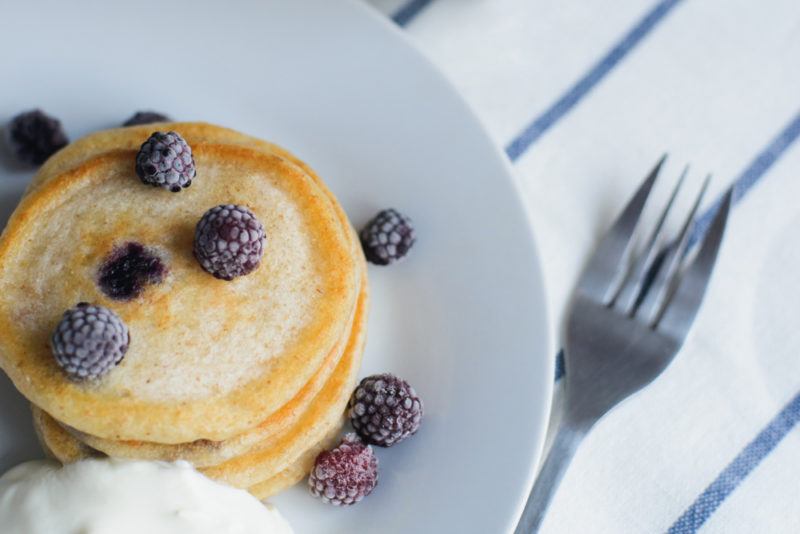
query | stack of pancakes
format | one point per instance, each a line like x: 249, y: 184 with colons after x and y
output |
x: 247, y: 380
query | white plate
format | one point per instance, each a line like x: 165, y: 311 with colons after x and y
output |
x: 463, y: 319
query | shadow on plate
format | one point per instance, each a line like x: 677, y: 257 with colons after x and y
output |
x: 9, y: 198
x: 18, y: 441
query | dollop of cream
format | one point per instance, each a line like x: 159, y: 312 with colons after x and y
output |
x: 128, y: 497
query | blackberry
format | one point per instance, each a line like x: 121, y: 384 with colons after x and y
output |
x: 165, y: 160
x: 89, y: 341
x: 34, y: 136
x: 387, y: 237
x: 146, y: 117
x: 346, y: 474
x: 127, y: 270
x: 385, y: 410
x: 229, y: 241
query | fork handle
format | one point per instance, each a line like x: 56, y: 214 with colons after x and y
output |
x: 563, y: 448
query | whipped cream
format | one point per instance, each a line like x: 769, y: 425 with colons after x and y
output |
x: 127, y: 497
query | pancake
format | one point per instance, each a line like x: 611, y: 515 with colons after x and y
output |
x: 56, y: 443
x: 202, y: 452
x: 325, y: 415
x: 210, y: 453
x: 70, y: 451
x: 174, y: 385
x: 296, y: 472
x: 323, y: 418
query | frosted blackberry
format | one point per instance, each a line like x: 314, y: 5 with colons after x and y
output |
x: 165, y: 160
x: 387, y: 237
x: 346, y: 474
x: 89, y: 341
x: 34, y: 136
x: 385, y: 410
x: 146, y: 117
x: 229, y: 241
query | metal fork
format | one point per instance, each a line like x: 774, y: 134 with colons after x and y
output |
x: 628, y: 319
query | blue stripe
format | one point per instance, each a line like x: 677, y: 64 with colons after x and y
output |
x: 599, y: 71
x: 738, y: 469
x: 408, y: 12
x: 751, y: 175
x: 714, y: 495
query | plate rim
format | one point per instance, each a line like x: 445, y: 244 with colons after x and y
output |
x: 526, y: 211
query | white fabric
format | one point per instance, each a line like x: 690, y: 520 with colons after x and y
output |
x: 713, y: 84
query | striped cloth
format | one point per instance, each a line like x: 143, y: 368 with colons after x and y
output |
x: 585, y: 96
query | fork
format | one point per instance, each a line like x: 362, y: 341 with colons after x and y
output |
x: 629, y: 317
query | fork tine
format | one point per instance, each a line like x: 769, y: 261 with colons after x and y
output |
x: 656, y: 294
x: 680, y: 310
x: 602, y: 273
x: 626, y: 297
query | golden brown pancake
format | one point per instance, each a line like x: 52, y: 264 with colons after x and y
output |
x: 56, y: 443
x: 69, y: 451
x: 202, y: 452
x: 323, y: 418
x: 296, y: 472
x: 208, y: 359
x: 210, y: 453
